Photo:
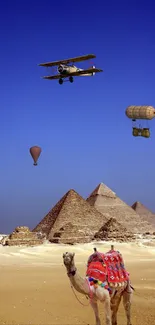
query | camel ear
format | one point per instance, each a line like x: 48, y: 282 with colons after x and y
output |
x: 72, y: 256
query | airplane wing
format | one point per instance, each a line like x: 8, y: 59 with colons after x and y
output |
x: 77, y: 73
x: 76, y: 59
x: 57, y: 76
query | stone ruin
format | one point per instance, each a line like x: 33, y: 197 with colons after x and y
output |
x: 22, y: 236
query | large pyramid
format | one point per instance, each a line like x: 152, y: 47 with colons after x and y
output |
x: 72, y: 220
x: 144, y: 212
x: 106, y: 201
x: 113, y: 230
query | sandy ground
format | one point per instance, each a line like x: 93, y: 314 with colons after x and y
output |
x: 36, y: 290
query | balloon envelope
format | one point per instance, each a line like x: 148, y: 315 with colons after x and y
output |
x: 140, y: 112
x: 35, y: 152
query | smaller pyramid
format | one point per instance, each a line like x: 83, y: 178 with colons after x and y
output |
x: 144, y: 212
x: 71, y: 220
x: 22, y: 236
x: 113, y: 230
x: 61, y: 235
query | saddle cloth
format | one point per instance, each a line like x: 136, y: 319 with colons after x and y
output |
x: 107, y: 267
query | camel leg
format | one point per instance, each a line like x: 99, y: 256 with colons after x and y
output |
x: 115, y: 302
x: 127, y: 305
x: 107, y: 310
x: 95, y: 309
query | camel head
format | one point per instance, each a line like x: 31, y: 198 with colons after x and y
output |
x: 68, y: 259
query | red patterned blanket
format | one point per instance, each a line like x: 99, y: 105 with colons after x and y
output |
x: 107, y: 267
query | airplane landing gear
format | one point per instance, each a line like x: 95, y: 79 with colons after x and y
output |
x: 71, y: 79
x: 60, y: 81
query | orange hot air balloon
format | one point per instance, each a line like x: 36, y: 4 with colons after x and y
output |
x: 35, y: 152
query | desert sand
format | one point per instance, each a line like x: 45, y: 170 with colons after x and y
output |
x: 36, y: 290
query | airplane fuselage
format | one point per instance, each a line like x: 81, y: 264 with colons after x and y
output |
x: 67, y: 69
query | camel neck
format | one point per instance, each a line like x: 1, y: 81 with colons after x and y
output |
x: 71, y: 272
x: 80, y: 284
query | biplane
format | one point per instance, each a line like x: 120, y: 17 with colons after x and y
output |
x: 67, y: 70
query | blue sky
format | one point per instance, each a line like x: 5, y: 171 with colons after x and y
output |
x: 81, y: 127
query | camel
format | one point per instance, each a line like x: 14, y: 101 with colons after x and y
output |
x: 98, y: 293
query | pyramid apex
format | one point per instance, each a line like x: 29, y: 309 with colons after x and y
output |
x: 103, y: 190
x: 72, y: 191
x: 140, y: 208
x: 134, y: 205
x: 138, y: 204
x: 72, y: 194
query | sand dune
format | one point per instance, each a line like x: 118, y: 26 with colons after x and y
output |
x: 35, y: 288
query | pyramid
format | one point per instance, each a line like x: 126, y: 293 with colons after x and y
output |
x: 113, y: 230
x: 61, y: 235
x: 71, y: 220
x: 106, y: 201
x: 144, y: 212
x: 22, y: 236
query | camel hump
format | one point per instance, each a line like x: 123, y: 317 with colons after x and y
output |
x: 113, y: 260
x: 96, y: 257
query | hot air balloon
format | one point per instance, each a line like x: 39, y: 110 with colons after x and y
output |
x: 35, y: 152
x: 140, y: 113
